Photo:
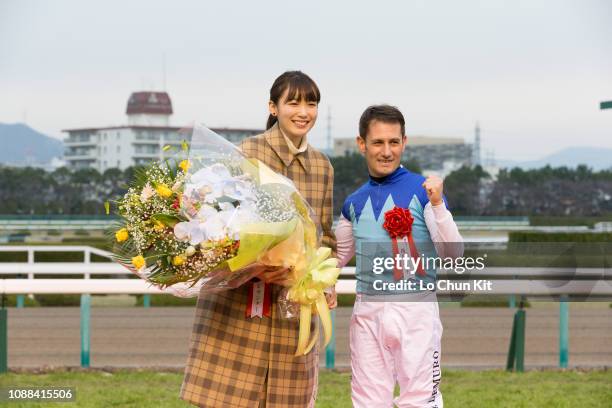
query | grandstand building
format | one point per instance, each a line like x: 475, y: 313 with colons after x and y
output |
x: 139, y: 142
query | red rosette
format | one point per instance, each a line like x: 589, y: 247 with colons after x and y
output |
x: 398, y: 224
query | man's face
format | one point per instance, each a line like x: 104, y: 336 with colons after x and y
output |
x: 382, y: 147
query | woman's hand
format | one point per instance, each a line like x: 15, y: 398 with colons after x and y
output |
x: 276, y: 275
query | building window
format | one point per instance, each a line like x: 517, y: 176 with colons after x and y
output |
x: 118, y: 149
x: 146, y: 149
x: 118, y: 163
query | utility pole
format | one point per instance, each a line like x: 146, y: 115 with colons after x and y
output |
x: 330, y: 146
x: 476, y: 146
x: 164, y: 72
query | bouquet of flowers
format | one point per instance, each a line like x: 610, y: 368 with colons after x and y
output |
x: 197, y: 222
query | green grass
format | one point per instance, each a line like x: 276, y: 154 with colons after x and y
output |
x: 167, y: 300
x: 11, y: 301
x: 346, y: 299
x: 474, y: 389
x: 545, y: 389
x: 567, y: 221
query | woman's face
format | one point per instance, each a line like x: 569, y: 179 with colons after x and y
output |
x: 295, y: 118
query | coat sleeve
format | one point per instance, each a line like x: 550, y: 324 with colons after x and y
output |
x: 244, y: 147
x: 329, y: 238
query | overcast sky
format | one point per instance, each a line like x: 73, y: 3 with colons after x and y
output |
x: 532, y: 72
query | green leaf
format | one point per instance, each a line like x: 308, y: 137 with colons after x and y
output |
x: 256, y: 238
x: 166, y: 219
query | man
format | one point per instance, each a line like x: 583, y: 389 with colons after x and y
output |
x: 394, y: 334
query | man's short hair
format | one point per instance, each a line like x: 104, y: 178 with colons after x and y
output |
x: 382, y: 113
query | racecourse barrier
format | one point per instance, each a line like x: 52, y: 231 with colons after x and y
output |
x: 510, y: 281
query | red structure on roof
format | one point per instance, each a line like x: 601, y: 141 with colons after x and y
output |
x: 149, y: 102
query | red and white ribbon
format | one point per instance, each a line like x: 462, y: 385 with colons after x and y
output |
x: 406, y: 246
x: 258, y: 303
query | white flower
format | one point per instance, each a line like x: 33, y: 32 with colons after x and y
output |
x: 244, y: 214
x: 206, y: 212
x: 238, y: 190
x: 190, y: 250
x: 147, y: 192
x: 216, y: 223
x: 215, y: 228
x: 226, y: 206
x: 215, y: 184
x: 188, y: 208
x: 191, y: 231
x: 210, y: 175
x: 208, y: 224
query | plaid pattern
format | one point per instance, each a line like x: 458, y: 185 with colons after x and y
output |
x: 239, y: 362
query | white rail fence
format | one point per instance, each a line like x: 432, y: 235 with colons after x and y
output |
x: 536, y: 282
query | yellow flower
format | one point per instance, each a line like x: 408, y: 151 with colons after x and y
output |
x: 163, y: 190
x: 184, y: 165
x: 121, y: 235
x: 159, y: 226
x: 138, y: 261
x: 178, y: 260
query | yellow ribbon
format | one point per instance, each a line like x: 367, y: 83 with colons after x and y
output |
x: 308, y: 292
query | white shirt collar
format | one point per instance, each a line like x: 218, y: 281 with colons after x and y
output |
x: 295, y: 150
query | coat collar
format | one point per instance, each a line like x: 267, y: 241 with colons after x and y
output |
x: 277, y: 142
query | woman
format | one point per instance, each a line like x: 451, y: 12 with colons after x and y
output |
x: 238, y: 361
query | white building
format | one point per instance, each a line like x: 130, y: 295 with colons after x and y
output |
x: 140, y: 141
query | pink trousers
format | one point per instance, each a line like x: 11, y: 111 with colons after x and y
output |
x: 395, y: 343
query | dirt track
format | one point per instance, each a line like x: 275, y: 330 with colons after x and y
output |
x: 130, y: 337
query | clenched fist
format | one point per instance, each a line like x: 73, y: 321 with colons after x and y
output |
x: 433, y: 185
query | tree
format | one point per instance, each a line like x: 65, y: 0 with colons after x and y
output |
x: 350, y: 172
x: 464, y: 189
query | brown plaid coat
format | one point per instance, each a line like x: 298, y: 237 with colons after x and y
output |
x: 239, y: 362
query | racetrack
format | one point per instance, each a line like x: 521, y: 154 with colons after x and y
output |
x: 474, y: 338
